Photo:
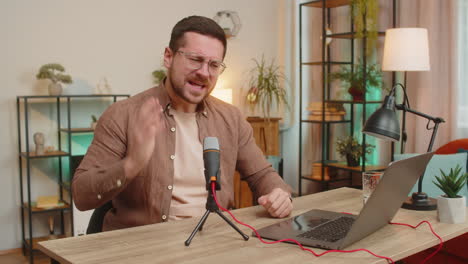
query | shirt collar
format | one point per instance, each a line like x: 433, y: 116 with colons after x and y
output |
x: 165, y: 100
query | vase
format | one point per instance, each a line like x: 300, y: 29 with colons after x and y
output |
x: 55, y: 89
x: 357, y: 94
x: 451, y: 210
x: 351, y: 161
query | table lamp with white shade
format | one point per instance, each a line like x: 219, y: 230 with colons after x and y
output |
x: 405, y: 49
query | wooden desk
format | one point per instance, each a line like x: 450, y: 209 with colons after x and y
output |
x: 219, y: 243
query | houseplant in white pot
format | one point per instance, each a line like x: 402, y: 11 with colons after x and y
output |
x: 54, y: 72
x: 451, y: 206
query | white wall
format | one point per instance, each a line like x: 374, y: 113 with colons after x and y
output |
x: 120, y: 40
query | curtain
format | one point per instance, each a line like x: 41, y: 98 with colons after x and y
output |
x: 434, y: 92
x: 461, y: 130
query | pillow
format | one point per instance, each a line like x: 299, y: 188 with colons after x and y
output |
x: 442, y: 161
x: 464, y: 151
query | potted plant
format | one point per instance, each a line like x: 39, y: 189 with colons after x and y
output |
x: 351, y: 149
x: 353, y: 79
x: 365, y: 16
x: 53, y: 72
x: 158, y: 76
x: 266, y: 87
x: 451, y: 206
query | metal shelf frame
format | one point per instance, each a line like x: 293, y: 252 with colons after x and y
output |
x: 325, y: 63
x: 26, y: 155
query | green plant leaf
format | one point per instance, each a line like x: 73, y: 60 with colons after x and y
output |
x: 266, y: 87
x: 53, y: 72
x: 451, y: 183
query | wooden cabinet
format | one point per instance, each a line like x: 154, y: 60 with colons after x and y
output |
x: 266, y: 134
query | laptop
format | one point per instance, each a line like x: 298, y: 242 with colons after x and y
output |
x: 333, y: 230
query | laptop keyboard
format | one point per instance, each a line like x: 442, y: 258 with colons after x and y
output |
x: 331, y: 231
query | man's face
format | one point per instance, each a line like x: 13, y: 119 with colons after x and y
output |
x: 193, y: 85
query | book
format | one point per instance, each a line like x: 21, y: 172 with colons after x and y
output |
x: 329, y: 107
x: 327, y: 113
x: 327, y: 117
x: 47, y: 201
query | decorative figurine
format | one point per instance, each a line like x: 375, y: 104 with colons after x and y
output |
x: 39, y: 140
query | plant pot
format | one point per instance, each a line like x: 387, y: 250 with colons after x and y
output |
x: 351, y: 161
x: 55, y: 89
x: 358, y: 94
x: 451, y: 210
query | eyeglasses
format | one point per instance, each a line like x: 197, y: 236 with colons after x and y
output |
x: 195, y: 61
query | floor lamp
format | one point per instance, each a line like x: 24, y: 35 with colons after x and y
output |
x: 405, y: 49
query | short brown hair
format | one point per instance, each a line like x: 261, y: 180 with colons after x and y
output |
x: 198, y: 24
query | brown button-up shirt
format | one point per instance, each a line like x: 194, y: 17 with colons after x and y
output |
x: 146, y: 199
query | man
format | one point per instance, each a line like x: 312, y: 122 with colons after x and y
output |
x: 146, y: 156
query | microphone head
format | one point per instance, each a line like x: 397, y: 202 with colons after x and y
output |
x: 211, y: 161
x: 210, y: 143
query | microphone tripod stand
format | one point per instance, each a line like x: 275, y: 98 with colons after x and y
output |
x: 211, y: 206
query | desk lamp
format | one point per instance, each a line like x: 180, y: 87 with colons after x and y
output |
x: 405, y: 49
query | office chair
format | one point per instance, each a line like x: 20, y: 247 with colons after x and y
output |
x: 97, y: 218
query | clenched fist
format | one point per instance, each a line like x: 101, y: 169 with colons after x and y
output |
x: 277, y: 203
x: 143, y: 127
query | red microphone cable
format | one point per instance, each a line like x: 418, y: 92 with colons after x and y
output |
x: 433, y: 232
x: 290, y: 239
x: 213, y: 189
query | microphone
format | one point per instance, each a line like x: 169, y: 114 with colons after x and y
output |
x: 211, y: 162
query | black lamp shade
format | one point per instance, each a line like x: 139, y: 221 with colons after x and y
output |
x: 383, y: 123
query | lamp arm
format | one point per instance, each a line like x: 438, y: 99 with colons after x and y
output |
x: 403, y: 107
x: 405, y: 95
x: 429, y: 149
x: 436, y: 120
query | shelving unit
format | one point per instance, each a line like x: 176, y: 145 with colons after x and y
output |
x: 63, y: 155
x: 348, y: 51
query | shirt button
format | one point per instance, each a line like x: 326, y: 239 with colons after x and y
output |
x: 163, y: 217
x: 169, y: 187
x: 172, y: 157
x: 99, y: 197
x: 119, y: 183
x: 173, y: 129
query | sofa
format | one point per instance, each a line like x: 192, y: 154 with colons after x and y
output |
x: 454, y: 251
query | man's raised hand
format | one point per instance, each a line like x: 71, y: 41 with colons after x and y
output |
x: 143, y: 126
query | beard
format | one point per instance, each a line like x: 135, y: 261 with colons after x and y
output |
x: 183, y: 88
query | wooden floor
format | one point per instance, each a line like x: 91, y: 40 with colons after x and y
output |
x: 18, y: 258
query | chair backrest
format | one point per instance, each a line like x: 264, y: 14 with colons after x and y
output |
x: 453, y: 146
x: 97, y: 218
x: 446, y: 158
